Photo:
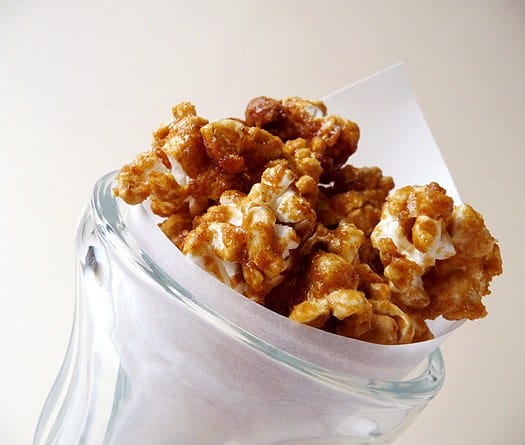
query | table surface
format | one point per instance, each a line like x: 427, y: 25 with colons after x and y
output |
x: 83, y: 85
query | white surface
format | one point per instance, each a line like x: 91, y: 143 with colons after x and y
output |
x: 83, y: 86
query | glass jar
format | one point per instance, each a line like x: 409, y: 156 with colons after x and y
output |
x: 150, y: 362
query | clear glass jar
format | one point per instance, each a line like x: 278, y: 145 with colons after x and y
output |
x: 151, y: 363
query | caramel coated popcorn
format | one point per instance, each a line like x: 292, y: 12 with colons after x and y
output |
x: 270, y: 206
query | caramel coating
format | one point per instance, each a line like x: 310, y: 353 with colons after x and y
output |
x: 357, y: 195
x: 331, y: 289
x: 237, y: 148
x: 176, y: 175
x: 439, y: 259
x: 388, y: 325
x: 332, y: 138
x: 176, y: 227
x: 253, y: 233
x: 411, y: 237
x: 149, y: 177
x: 270, y: 207
x: 180, y: 140
x: 457, y: 284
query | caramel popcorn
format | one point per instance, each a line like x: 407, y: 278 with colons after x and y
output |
x: 271, y: 207
x: 332, y: 138
x: 439, y: 259
x: 357, y: 195
x: 237, y: 148
x: 411, y: 236
x: 330, y: 289
x: 388, y: 325
x: 176, y: 175
x: 456, y: 285
x: 246, y: 240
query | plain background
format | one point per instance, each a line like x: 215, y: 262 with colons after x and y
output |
x: 82, y: 86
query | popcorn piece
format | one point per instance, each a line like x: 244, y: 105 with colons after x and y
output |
x: 217, y: 243
x: 411, y: 236
x: 374, y: 286
x: 191, y: 166
x: 438, y: 259
x: 421, y: 329
x: 212, y: 182
x: 330, y: 289
x: 302, y: 158
x: 149, y: 177
x: 181, y: 142
x: 176, y: 227
x: 333, y: 287
x: 357, y: 195
x: 345, y: 241
x: 278, y: 190
x: 389, y: 325
x: 332, y: 138
x: 275, y: 216
x: 177, y: 175
x: 268, y: 250
x: 364, y: 179
x: 270, y: 218
x: 288, y: 119
x: 406, y: 283
x: 303, y: 162
x: 457, y: 284
x: 163, y: 174
x: 218, y: 248
x: 237, y: 148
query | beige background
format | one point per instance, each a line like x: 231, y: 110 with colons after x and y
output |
x: 82, y: 87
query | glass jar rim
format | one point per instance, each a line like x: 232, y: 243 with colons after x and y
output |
x: 111, y: 227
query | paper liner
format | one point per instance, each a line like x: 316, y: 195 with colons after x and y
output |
x: 394, y: 137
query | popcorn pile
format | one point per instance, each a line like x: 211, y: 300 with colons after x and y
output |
x: 270, y: 207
